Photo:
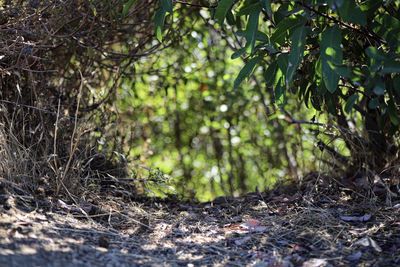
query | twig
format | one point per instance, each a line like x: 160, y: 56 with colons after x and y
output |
x: 55, y: 146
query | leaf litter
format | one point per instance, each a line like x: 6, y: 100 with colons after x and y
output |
x: 309, y: 230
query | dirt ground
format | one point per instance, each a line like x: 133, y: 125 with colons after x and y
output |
x: 256, y: 230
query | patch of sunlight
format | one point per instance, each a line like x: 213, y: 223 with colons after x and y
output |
x: 27, y: 250
x: 330, y: 51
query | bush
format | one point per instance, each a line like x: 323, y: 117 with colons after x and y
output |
x: 340, y: 58
x: 60, y: 65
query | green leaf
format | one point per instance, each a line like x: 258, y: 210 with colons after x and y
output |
x: 251, y: 31
x: 167, y: 5
x: 331, y: 55
x: 330, y: 105
x: 159, y: 19
x: 350, y: 103
x: 222, y: 9
x: 238, y: 53
x: 266, y: 5
x: 390, y: 66
x: 373, y: 103
x: 379, y: 88
x: 341, y: 70
x: 296, y: 52
x: 350, y: 12
x: 374, y: 53
x: 246, y: 71
x: 370, y: 6
x: 262, y: 37
x: 248, y: 9
x: 270, y: 72
x: 280, y: 98
x: 283, y: 62
x: 376, y: 58
x: 128, y: 4
x: 284, y: 26
x: 230, y: 18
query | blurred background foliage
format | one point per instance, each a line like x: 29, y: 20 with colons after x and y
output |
x: 179, y: 112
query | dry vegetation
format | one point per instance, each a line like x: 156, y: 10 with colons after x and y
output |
x: 60, y: 64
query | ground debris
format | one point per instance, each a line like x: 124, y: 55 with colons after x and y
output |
x: 252, y: 231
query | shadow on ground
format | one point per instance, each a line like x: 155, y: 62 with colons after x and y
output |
x: 256, y: 230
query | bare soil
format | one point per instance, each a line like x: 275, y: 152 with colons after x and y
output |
x: 256, y: 230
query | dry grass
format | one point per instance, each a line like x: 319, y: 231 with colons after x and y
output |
x: 294, y: 230
x: 61, y: 62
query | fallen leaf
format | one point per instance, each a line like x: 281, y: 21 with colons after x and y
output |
x: 363, y: 218
x: 368, y: 242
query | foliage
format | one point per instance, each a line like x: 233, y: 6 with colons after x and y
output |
x: 340, y: 58
x: 180, y: 112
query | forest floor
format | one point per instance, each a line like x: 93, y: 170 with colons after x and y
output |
x: 260, y: 229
